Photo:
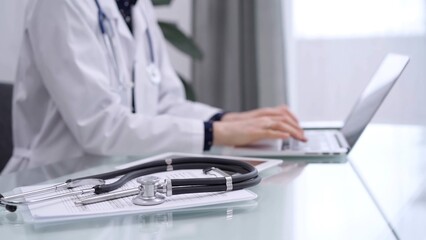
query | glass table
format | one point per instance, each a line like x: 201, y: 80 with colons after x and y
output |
x: 296, y: 200
x: 391, y: 161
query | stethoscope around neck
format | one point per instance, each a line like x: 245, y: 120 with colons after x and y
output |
x: 233, y: 175
x: 107, y: 31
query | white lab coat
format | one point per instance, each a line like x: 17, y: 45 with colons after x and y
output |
x: 66, y: 103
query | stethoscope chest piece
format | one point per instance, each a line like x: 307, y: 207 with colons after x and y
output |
x: 153, y: 73
x: 149, y: 191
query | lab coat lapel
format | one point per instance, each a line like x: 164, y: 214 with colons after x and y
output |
x: 139, y: 32
x: 128, y: 43
x: 146, y: 91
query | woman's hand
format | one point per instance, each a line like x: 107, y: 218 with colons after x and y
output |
x: 279, y: 111
x: 243, y: 132
x: 243, y: 128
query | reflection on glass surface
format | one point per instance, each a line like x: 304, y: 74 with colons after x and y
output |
x: 394, y: 171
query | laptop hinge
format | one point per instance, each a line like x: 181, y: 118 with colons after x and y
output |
x: 341, y: 140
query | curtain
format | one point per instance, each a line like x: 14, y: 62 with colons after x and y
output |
x: 227, y: 75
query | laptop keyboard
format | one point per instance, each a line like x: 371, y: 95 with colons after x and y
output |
x: 317, y: 141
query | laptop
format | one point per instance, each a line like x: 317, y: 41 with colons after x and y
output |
x: 327, y: 142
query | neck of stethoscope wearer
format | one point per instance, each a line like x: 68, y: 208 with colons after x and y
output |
x: 234, y: 175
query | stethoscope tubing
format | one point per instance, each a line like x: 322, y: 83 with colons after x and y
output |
x: 210, y: 160
x: 178, y: 182
x: 245, y: 170
x: 215, y: 188
x: 246, y: 176
x: 103, y: 17
x: 107, y: 35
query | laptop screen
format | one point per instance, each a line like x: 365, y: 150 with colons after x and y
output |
x: 373, y: 96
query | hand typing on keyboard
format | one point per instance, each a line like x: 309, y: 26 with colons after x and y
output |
x: 242, y: 128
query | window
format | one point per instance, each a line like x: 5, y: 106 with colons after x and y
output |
x: 333, y: 47
x: 358, y: 18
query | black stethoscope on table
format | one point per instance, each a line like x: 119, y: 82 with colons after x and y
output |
x: 237, y: 175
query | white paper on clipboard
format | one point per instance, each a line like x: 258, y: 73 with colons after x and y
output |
x: 64, y: 208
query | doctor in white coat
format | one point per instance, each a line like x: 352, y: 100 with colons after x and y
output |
x: 97, y: 81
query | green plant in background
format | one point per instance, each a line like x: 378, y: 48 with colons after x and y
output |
x: 184, y: 43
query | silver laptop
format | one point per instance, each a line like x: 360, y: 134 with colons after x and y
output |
x: 335, y: 142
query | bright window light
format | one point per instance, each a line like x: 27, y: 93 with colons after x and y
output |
x: 358, y: 18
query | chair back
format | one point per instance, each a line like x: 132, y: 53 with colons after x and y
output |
x: 6, y: 144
